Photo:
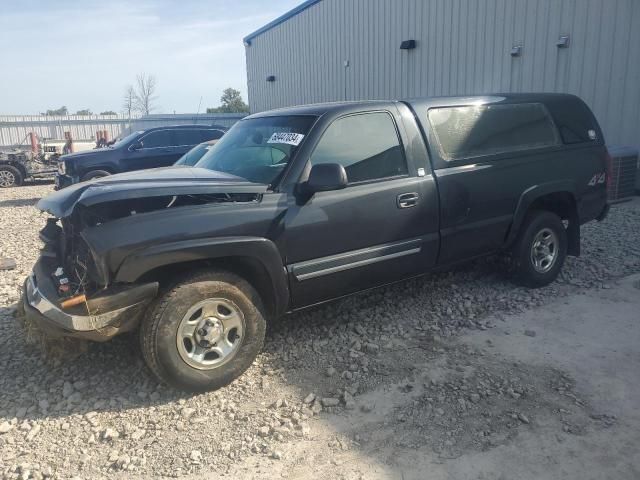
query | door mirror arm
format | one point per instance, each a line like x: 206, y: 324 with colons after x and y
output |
x: 323, y: 177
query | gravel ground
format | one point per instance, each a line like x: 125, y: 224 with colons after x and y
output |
x: 102, y: 414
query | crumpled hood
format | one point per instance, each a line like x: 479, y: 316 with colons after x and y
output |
x: 145, y: 183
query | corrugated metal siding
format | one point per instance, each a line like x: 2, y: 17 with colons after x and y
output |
x: 14, y: 129
x: 463, y: 48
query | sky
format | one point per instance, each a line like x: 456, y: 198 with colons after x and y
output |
x: 83, y: 54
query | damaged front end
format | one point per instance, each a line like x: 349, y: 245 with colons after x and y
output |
x: 67, y: 295
x: 72, y: 290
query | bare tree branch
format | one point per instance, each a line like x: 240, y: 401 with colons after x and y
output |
x: 145, y: 93
x: 129, y: 100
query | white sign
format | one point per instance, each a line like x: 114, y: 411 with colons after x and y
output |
x: 287, y: 138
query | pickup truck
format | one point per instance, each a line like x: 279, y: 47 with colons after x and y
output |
x: 154, y: 147
x: 298, y: 206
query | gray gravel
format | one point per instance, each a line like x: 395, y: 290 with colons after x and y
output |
x: 103, y: 414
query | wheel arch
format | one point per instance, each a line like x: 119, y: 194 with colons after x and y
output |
x: 257, y: 260
x: 556, y: 197
x: 83, y: 172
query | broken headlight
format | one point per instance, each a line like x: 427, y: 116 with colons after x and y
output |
x: 51, y: 236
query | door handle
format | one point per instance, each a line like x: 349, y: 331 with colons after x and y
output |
x: 407, y: 200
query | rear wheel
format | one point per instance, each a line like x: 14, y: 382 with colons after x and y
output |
x: 95, y: 174
x: 10, y: 176
x: 204, y: 332
x: 540, y: 250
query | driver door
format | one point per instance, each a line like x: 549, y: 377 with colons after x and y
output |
x: 381, y: 228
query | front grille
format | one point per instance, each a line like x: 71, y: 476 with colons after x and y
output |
x: 76, y: 259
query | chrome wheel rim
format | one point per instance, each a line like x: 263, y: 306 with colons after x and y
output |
x: 210, y: 333
x: 6, y: 178
x: 544, y: 250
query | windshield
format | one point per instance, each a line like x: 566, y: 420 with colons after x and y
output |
x: 192, y: 156
x: 125, y: 140
x: 258, y: 149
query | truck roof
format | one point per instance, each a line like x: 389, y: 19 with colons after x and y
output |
x: 183, y: 126
x: 319, y: 109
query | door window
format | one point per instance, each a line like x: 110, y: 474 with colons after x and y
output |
x: 206, y: 135
x: 366, y: 145
x: 472, y: 131
x: 160, y: 138
x: 187, y: 137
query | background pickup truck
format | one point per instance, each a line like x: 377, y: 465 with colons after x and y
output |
x: 299, y: 206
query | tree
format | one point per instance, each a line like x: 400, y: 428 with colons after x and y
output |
x: 60, y: 111
x: 230, y: 102
x: 108, y: 112
x: 129, y: 100
x: 86, y: 111
x: 145, y: 93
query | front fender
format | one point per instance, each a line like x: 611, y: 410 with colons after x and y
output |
x: 259, y: 249
x: 531, y: 195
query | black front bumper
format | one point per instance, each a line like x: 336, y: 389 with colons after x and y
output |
x: 63, y: 181
x: 102, y: 317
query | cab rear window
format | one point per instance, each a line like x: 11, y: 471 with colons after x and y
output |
x: 478, y: 130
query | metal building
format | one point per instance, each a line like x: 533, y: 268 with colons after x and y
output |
x: 327, y: 50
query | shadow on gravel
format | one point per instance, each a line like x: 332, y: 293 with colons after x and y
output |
x: 112, y: 376
x: 85, y: 377
x: 19, y: 202
x: 34, y: 183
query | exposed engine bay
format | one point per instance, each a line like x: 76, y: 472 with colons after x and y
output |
x: 74, y: 271
x: 68, y: 255
x: 35, y: 166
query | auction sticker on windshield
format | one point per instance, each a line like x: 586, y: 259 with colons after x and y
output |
x: 288, y: 138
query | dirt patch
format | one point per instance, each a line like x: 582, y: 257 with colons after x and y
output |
x: 474, y: 403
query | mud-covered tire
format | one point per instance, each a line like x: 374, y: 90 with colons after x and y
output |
x: 530, y: 269
x: 10, y: 176
x: 93, y: 174
x: 159, y: 330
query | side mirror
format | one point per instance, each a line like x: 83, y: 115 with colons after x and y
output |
x: 135, y: 146
x: 325, y: 177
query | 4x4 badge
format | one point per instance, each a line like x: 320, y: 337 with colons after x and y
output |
x: 597, y: 178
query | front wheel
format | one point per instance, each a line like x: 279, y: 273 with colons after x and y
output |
x: 204, y: 332
x: 540, y: 250
x: 10, y: 176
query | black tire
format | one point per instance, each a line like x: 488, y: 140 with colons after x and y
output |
x: 159, y: 330
x: 10, y: 176
x: 95, y: 174
x: 537, y: 223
